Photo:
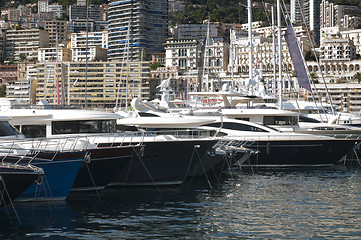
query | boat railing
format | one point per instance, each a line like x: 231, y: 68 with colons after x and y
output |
x: 61, y: 144
x: 281, y: 137
x: 139, y: 137
x: 183, y: 134
x: 231, y: 145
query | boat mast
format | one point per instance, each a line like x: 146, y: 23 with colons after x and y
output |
x: 86, y: 55
x: 141, y: 76
x: 280, y: 87
x: 121, y: 70
x: 274, y: 51
x: 127, y: 77
x: 250, y: 43
x: 45, y: 81
x: 206, y: 54
x: 56, y: 69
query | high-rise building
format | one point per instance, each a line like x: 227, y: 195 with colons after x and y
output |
x: 148, y: 22
x: 296, y: 11
x: 332, y: 15
x: 307, y: 12
x: 80, y: 12
x: 23, y: 44
x: 56, y: 28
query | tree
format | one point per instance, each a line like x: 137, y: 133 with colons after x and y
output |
x: 357, y: 77
x: 310, y: 57
x: 2, y: 90
x: 155, y: 65
x: 22, y: 57
x: 341, y: 80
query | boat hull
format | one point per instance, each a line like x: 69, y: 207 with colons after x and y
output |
x: 14, y: 181
x: 103, y: 165
x: 60, y: 171
x: 163, y: 163
x: 214, y: 162
x: 299, y: 153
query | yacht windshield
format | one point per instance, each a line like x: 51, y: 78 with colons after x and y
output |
x: 6, y: 129
x: 236, y: 126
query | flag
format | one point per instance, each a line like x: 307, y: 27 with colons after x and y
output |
x: 297, y: 59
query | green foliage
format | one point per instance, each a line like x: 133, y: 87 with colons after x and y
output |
x: 22, y: 57
x: 155, y: 65
x: 310, y: 57
x: 2, y: 90
x: 341, y: 80
x: 66, y: 3
x: 226, y: 11
x: 347, y: 2
x: 357, y: 77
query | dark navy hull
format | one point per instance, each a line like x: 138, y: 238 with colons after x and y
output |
x: 104, y: 164
x: 213, y: 163
x: 163, y: 163
x: 15, y: 180
x: 60, y: 171
x: 299, y: 153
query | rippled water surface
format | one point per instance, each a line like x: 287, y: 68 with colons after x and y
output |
x: 299, y: 204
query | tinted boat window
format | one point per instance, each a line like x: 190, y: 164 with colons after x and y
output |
x: 144, y: 114
x: 33, y: 131
x: 6, y: 129
x: 307, y: 119
x: 85, y: 126
x: 237, y: 126
x: 280, y: 120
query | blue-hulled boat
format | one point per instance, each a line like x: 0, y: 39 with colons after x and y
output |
x: 60, y: 170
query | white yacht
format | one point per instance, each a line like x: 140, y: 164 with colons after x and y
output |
x: 164, y: 160
x: 277, y: 149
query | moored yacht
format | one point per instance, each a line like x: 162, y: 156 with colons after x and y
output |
x: 15, y: 179
x: 165, y: 159
x: 224, y: 154
x: 277, y: 149
x: 59, y: 161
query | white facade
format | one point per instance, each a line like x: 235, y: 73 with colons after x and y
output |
x: 58, y: 9
x: 96, y: 42
x: 52, y: 54
x: 94, y: 53
x: 353, y: 34
x: 263, y: 60
x: 183, y: 53
x: 337, y: 49
x: 196, y: 31
x: 43, y: 6
x: 94, y: 39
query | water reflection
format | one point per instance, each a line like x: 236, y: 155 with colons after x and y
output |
x: 300, y: 204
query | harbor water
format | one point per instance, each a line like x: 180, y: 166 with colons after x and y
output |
x: 284, y: 204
